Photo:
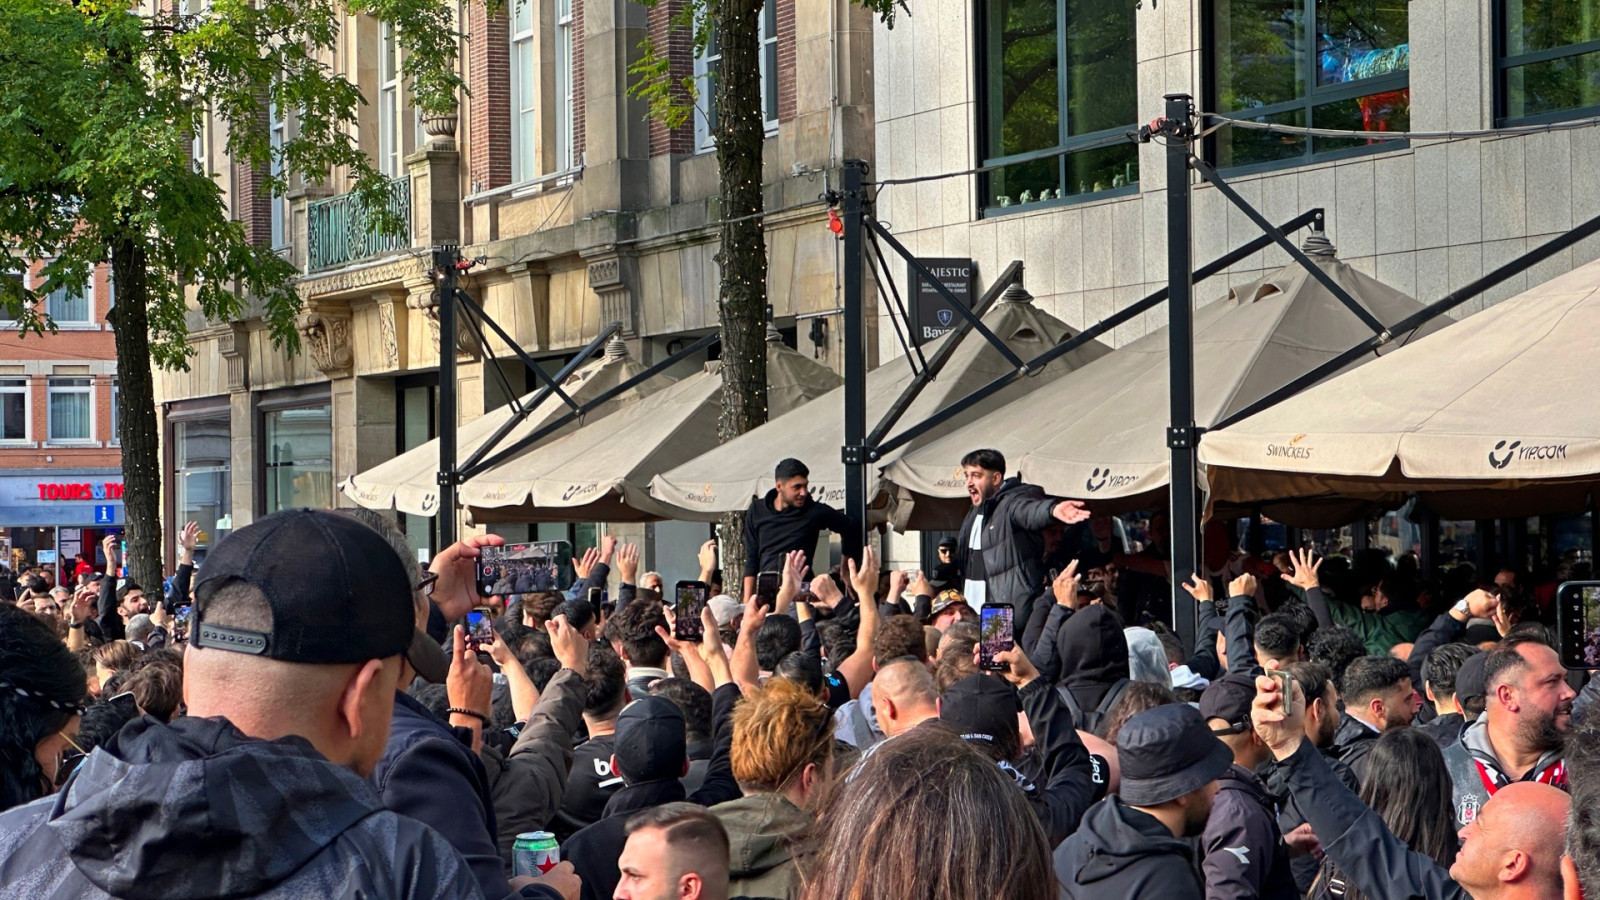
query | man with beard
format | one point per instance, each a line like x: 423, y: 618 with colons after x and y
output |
x: 1527, y: 714
x: 1001, y: 548
x: 1321, y: 722
x: 1135, y: 843
x: 1378, y: 697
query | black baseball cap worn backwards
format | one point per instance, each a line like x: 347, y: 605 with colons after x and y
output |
x: 338, y: 592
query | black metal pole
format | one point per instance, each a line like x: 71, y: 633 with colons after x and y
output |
x: 855, y: 349
x: 1184, y: 518
x: 445, y: 258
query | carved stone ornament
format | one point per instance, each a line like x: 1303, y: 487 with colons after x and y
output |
x: 609, y: 279
x: 326, y: 333
x: 233, y: 345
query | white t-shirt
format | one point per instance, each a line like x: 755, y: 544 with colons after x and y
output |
x: 975, y: 591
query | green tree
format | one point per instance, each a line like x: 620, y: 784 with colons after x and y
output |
x: 97, y: 108
x: 739, y: 128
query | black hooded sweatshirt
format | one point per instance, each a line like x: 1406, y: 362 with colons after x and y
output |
x: 1093, y: 654
x: 1121, y: 852
x: 771, y: 534
x: 198, y: 809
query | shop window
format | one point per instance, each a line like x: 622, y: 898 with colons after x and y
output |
x: 71, y: 408
x: 298, y: 457
x: 709, y: 62
x: 1058, y: 95
x: 1548, y: 62
x: 1312, y: 63
x: 203, y: 478
x: 13, y: 409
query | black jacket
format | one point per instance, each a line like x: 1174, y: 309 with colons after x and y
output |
x: 1071, y: 781
x: 1443, y: 630
x: 527, y: 780
x: 590, y: 785
x: 1352, y: 743
x: 198, y: 809
x: 428, y: 773
x: 594, y: 850
x: 770, y: 534
x: 1243, y: 853
x: 1356, y: 839
x: 1445, y: 730
x: 1011, y: 548
x: 1121, y: 852
x: 1093, y: 655
x: 1290, y: 816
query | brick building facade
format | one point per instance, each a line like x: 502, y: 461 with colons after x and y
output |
x: 586, y: 210
x: 60, y: 466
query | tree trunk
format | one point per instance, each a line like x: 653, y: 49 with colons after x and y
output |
x: 136, y: 415
x: 740, y: 131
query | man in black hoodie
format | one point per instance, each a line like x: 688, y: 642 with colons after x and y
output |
x: 300, y: 627
x: 787, y: 519
x: 1244, y: 855
x: 1090, y: 656
x: 1133, y: 844
x: 1001, y: 550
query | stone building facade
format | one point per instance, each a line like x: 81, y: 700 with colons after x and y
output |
x: 583, y: 210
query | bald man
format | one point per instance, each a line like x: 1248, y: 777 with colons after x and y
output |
x: 1512, y: 851
x: 299, y: 628
x: 677, y: 851
x: 904, y: 696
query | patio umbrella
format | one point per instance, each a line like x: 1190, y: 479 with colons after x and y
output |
x: 601, y: 472
x: 1099, y: 434
x: 409, y: 482
x: 724, y: 478
x: 1495, y: 417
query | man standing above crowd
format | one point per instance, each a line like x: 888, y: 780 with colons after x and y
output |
x: 787, y: 519
x: 1001, y: 551
x: 1527, y: 714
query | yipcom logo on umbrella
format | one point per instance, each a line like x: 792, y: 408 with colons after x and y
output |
x: 1516, y: 450
x: 1102, y: 478
x: 430, y: 503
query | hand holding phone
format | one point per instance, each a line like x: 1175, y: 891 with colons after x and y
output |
x: 692, y: 597
x: 995, y: 635
x: 480, y: 626
x: 1578, y: 623
x: 767, y: 584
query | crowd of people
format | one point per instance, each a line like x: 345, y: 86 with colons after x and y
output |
x: 307, y: 715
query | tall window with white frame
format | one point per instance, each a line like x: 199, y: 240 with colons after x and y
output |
x: 199, y: 142
x: 524, y: 92
x: 1058, y: 95
x: 71, y: 306
x: 1310, y: 63
x: 278, y: 132
x: 71, y: 410
x: 565, y: 102
x: 708, y: 65
x: 390, y: 139
x: 13, y: 409
x: 116, y: 398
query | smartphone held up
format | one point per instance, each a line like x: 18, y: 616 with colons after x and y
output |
x: 691, y: 601
x: 995, y: 635
x: 1578, y: 624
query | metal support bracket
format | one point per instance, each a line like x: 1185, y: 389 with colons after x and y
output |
x: 1184, y: 437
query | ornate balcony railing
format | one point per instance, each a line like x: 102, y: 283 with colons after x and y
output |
x: 337, y: 231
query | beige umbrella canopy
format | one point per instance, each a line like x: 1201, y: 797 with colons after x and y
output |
x: 409, y: 482
x: 1099, y: 434
x: 726, y: 477
x: 602, y: 471
x: 1494, y: 417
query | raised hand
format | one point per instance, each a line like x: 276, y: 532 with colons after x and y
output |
x: 1065, y: 587
x: 582, y: 568
x: 628, y: 563
x: 1199, y: 588
x: 1306, y: 563
x: 1070, y: 511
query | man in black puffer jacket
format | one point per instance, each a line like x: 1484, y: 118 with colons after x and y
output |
x: 1001, y: 550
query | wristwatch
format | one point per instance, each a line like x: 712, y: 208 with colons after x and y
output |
x: 1463, y: 607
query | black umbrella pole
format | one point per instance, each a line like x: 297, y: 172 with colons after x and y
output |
x: 1181, y: 433
x: 444, y: 263
x: 854, y: 452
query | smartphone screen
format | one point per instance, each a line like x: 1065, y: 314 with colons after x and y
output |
x: 767, y: 584
x: 480, y: 626
x: 524, y: 568
x: 125, y: 705
x: 597, y: 597
x: 686, y: 612
x: 995, y: 635
x: 1578, y: 620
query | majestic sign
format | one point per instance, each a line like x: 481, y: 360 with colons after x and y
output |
x: 931, y: 314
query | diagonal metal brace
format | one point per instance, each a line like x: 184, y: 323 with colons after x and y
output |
x: 931, y: 368
x: 552, y: 385
x: 1210, y: 174
x: 472, y: 471
x: 936, y: 284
